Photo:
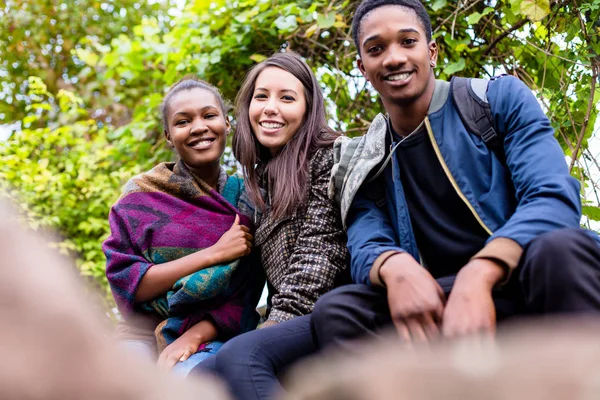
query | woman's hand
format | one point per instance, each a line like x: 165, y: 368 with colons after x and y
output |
x: 268, y: 323
x: 187, y: 344
x: 234, y: 243
x: 178, y: 351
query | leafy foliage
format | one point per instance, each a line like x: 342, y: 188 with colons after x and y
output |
x: 46, y: 38
x: 90, y: 121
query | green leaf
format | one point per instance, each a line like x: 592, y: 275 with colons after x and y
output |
x: 591, y: 212
x: 311, y: 30
x: 535, y: 10
x: 286, y: 23
x: 326, y: 21
x: 541, y: 32
x: 438, y: 5
x: 453, y: 68
x: 87, y: 56
x: 475, y: 17
x: 30, y: 119
x: 258, y: 58
x: 215, y: 56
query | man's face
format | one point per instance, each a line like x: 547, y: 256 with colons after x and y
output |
x: 395, y: 55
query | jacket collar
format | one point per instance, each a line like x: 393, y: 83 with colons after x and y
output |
x: 371, y: 150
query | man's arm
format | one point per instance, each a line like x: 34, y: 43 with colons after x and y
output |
x: 548, y: 197
x: 371, y: 238
x: 415, y: 299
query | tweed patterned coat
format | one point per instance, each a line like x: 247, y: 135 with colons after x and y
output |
x: 304, y: 255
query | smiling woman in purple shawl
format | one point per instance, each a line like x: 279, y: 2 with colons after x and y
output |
x: 178, y: 257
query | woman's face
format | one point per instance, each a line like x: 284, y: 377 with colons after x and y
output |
x: 197, y: 128
x: 277, y: 108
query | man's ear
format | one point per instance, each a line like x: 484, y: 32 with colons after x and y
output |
x: 361, y: 68
x: 168, y: 137
x: 433, y: 53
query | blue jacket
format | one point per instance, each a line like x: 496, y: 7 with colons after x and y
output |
x: 531, y: 194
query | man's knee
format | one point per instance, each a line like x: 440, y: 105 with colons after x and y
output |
x: 347, y: 312
x: 561, y: 272
x: 328, y: 305
x: 559, y: 255
x: 559, y: 241
x: 333, y: 307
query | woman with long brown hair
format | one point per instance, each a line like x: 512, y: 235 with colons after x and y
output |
x: 285, y: 148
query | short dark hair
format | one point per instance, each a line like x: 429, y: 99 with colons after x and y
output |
x: 369, y: 5
x: 188, y: 83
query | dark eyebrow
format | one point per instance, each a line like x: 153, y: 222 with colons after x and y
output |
x: 284, y: 90
x: 186, y: 113
x: 376, y: 36
x: 182, y: 113
x: 208, y: 107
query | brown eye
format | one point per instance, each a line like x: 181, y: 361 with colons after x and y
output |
x: 374, y: 49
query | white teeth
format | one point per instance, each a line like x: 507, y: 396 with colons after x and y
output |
x: 271, y: 125
x: 399, y: 77
x: 202, y: 143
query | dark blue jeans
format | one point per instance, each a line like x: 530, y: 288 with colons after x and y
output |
x: 559, y: 273
x: 251, y: 363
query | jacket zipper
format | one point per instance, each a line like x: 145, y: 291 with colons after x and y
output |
x: 451, y: 178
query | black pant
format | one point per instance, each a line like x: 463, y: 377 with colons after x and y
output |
x: 559, y: 273
x: 251, y: 363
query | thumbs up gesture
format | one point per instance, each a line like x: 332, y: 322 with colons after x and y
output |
x: 234, y: 243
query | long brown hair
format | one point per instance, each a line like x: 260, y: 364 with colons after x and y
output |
x: 286, y: 173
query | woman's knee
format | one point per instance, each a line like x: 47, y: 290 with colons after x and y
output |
x: 236, y: 351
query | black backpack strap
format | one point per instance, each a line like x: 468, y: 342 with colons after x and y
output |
x: 470, y: 98
x: 340, y: 174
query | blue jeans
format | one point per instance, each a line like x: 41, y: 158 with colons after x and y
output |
x: 251, y: 363
x: 146, y: 349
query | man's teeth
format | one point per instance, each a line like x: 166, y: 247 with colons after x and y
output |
x: 398, y: 77
x: 271, y: 125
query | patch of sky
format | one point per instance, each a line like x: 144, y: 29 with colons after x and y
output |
x: 6, y: 130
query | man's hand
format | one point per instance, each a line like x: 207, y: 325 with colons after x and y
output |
x: 470, y: 308
x: 415, y: 299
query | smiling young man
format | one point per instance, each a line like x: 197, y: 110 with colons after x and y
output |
x: 447, y: 235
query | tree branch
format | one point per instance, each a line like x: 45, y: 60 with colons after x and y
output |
x: 504, y: 35
x: 586, y: 120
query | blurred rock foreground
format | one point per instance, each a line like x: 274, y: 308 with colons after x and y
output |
x: 53, y: 342
x: 54, y: 345
x: 545, y: 360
